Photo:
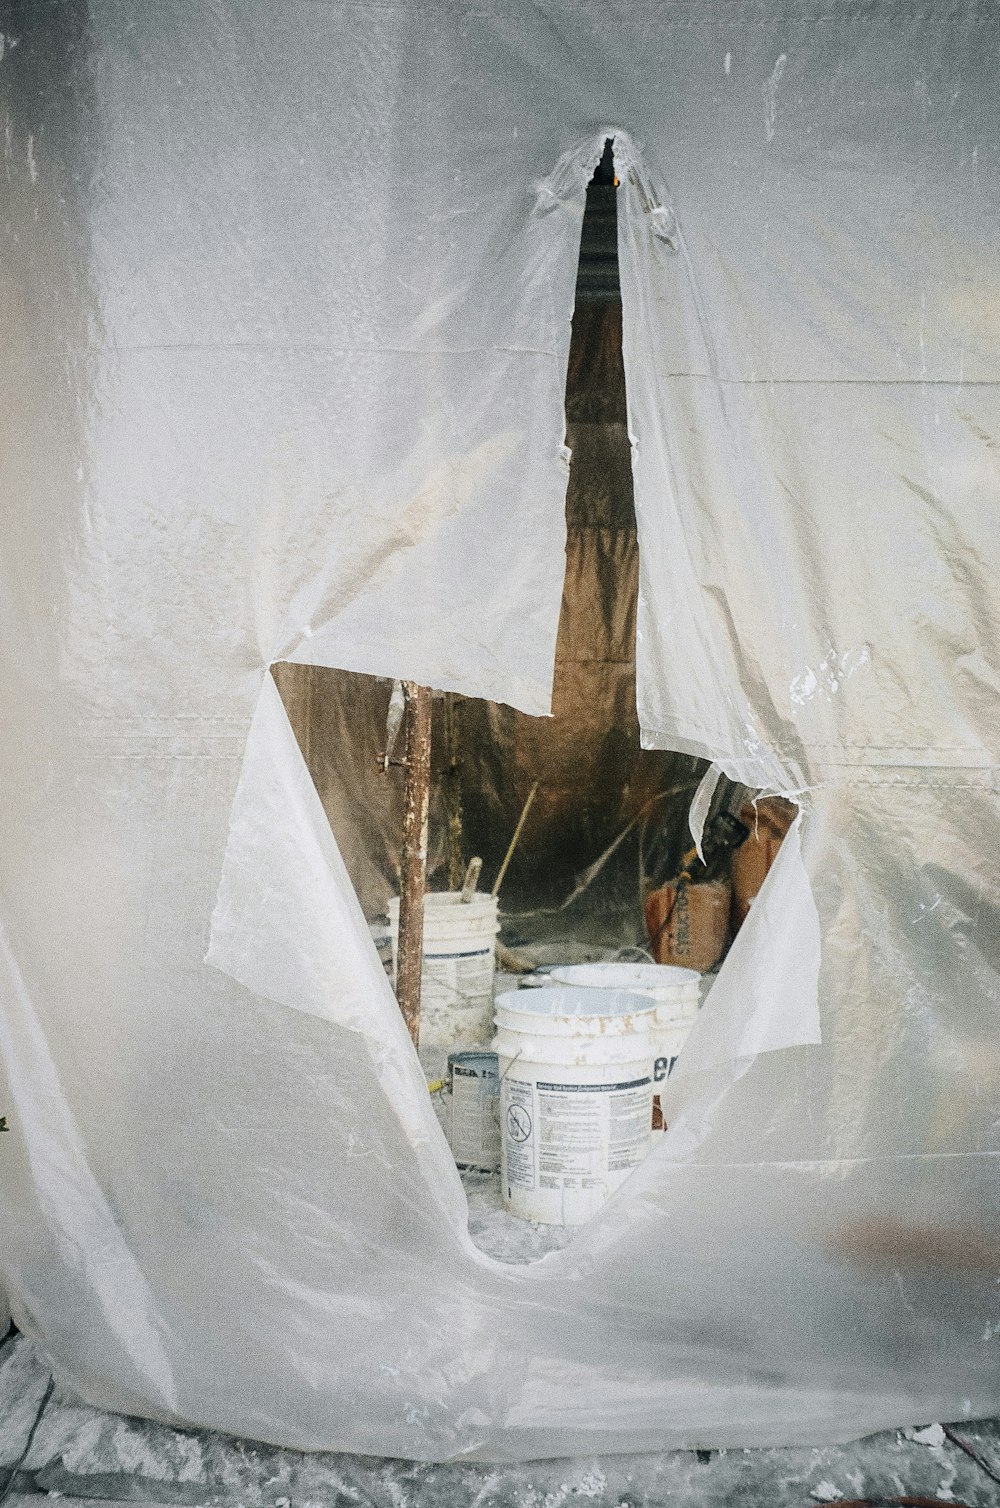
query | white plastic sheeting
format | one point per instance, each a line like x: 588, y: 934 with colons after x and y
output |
x: 286, y: 297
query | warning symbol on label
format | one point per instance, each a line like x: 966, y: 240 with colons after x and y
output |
x: 518, y: 1123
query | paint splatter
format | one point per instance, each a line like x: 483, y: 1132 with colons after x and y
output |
x: 771, y: 96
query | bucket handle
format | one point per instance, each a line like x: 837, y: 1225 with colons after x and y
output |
x: 511, y: 1064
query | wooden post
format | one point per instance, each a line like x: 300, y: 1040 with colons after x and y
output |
x: 453, y: 788
x: 410, y: 957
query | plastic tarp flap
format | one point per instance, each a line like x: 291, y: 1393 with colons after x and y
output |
x: 286, y: 301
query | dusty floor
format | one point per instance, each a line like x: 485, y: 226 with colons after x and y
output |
x: 82, y: 1456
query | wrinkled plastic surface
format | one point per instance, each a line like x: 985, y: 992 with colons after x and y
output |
x: 286, y: 298
x: 595, y: 782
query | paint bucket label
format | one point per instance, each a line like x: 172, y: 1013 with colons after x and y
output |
x: 456, y: 982
x: 474, y: 1078
x: 573, y: 1136
x: 459, y: 981
x: 576, y: 1097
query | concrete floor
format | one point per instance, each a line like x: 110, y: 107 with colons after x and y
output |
x: 85, y: 1457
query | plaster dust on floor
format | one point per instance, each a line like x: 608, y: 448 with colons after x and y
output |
x: 81, y: 1455
x: 492, y: 1228
x: 502, y: 1235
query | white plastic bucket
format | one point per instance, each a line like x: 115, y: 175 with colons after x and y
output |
x: 677, y: 993
x: 663, y: 981
x: 474, y: 1119
x: 576, y: 1098
x: 456, y: 982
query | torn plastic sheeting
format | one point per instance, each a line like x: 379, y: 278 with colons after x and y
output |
x: 287, y: 924
x: 280, y: 850
x: 766, y: 995
x: 83, y: 1248
x: 291, y: 395
x: 701, y: 804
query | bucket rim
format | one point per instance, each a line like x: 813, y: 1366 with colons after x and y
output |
x: 581, y: 1003
x: 471, y: 1054
x: 449, y: 898
x: 644, y: 975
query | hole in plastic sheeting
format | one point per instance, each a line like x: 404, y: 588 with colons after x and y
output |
x: 571, y: 892
x: 594, y: 876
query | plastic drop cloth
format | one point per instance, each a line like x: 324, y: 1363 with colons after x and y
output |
x: 285, y: 296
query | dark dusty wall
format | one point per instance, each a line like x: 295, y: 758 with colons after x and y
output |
x: 594, y: 777
x: 594, y: 780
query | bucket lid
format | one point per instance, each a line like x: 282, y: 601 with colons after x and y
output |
x: 658, y: 977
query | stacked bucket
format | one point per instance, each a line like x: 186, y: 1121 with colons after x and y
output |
x: 579, y: 1063
x: 676, y: 992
